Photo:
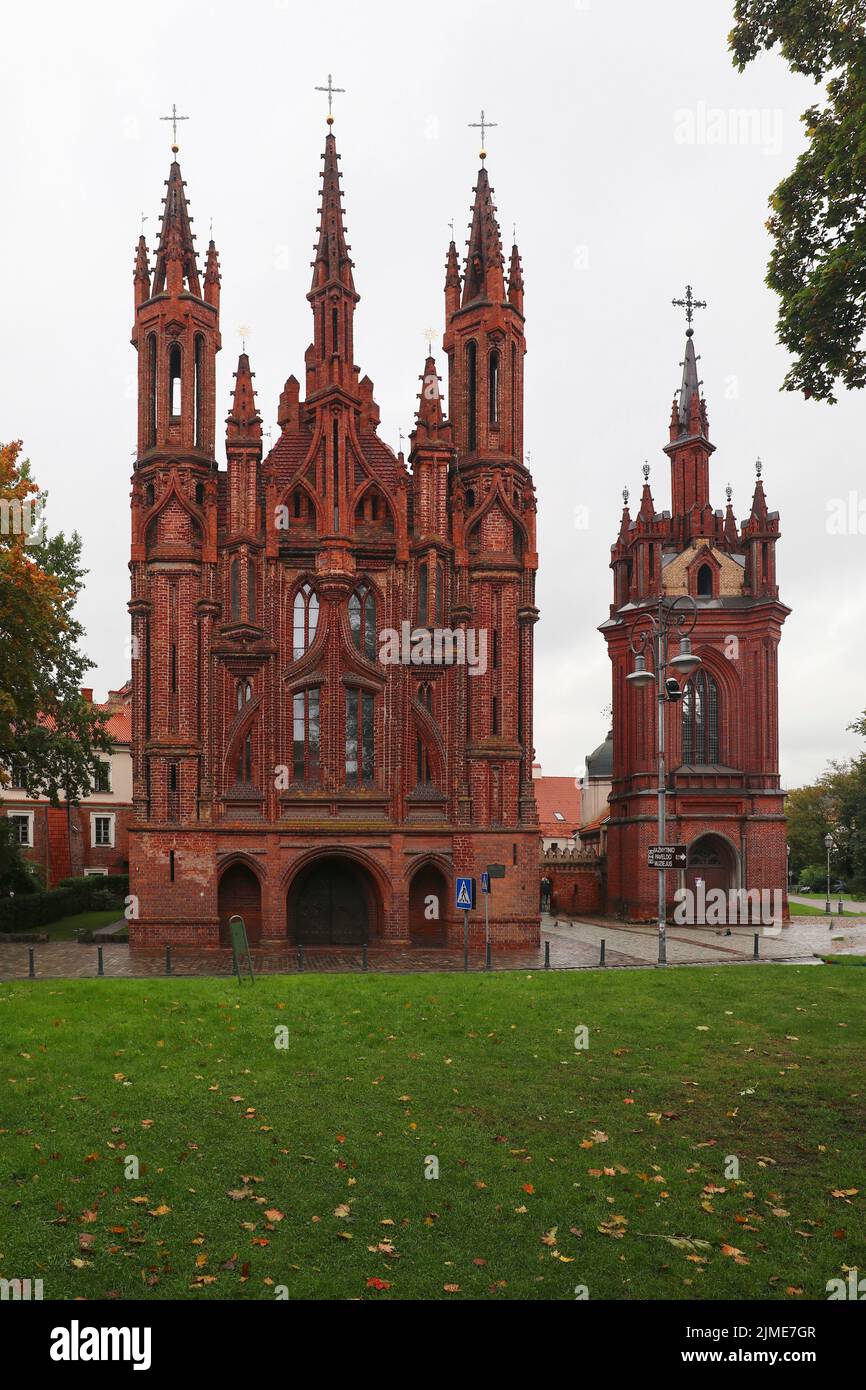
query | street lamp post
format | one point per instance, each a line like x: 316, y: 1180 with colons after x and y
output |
x: 828, y: 845
x: 652, y: 631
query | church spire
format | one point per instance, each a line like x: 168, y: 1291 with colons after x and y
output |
x: 452, y: 281
x: 429, y: 415
x: 176, y: 263
x: 332, y: 296
x: 212, y: 275
x: 484, y: 277
x: 333, y: 263
x: 244, y: 421
x: 141, y: 274
x: 515, y: 280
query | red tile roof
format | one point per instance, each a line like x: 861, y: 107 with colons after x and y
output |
x: 554, y: 794
x: 595, y: 825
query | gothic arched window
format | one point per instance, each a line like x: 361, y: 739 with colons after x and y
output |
x: 359, y: 738
x: 472, y: 392
x: 199, y: 389
x: 701, y: 719
x: 174, y: 388
x: 151, y: 390
x: 424, y: 774
x: 305, y: 620
x: 493, y: 387
x: 245, y: 759
x: 705, y: 582
x: 244, y: 693
x: 362, y: 621
x: 305, y: 735
x: 251, y: 590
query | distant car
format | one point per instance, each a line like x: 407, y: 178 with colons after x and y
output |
x: 838, y: 886
x: 805, y: 888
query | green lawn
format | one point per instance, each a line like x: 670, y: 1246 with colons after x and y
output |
x: 65, y: 928
x: 558, y: 1167
x: 816, y: 909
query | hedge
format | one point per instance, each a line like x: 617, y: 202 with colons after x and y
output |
x: 25, y: 911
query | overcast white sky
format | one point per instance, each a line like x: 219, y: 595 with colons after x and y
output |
x: 619, y: 153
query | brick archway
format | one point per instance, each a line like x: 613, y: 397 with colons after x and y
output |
x: 713, y: 861
x: 240, y: 893
x: 333, y: 901
x: 428, y: 883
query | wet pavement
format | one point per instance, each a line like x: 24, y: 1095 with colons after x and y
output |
x: 572, y: 945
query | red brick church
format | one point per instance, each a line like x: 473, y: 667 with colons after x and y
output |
x: 333, y: 645
x: 725, y: 801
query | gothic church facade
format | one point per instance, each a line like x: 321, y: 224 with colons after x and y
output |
x: 290, y: 762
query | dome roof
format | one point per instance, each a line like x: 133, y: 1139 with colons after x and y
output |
x: 599, y: 764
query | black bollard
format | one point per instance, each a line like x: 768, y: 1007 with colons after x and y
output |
x: 601, y: 953
x: 31, y: 963
x: 100, y: 964
x: 755, y: 953
x: 168, y: 960
x: 300, y: 957
x: 487, y: 957
x: 547, y: 955
x: 364, y: 963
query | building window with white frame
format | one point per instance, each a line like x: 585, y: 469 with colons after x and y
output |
x: 102, y: 832
x: 22, y: 828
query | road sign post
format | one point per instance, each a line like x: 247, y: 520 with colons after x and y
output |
x: 464, y: 896
x: 485, y: 888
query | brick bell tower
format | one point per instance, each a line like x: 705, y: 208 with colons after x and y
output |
x: 494, y: 522
x: 725, y: 802
x: 173, y: 556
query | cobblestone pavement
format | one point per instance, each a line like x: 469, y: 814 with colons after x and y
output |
x: 573, y: 945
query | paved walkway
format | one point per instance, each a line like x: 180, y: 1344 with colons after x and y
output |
x: 817, y: 901
x: 572, y: 945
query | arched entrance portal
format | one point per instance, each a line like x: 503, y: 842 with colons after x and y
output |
x: 712, y: 864
x: 428, y: 902
x: 240, y: 893
x: 333, y: 902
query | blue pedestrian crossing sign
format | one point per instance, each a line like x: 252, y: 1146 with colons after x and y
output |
x: 485, y: 882
x: 465, y: 894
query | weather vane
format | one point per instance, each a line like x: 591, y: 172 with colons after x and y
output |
x: 646, y: 471
x: 174, y: 118
x: 689, y: 304
x: 244, y: 332
x: 483, y: 125
x: 330, y: 89
x: 759, y: 467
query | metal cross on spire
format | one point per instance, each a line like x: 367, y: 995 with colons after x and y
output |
x: 483, y: 125
x: 689, y: 304
x: 330, y: 89
x: 174, y: 118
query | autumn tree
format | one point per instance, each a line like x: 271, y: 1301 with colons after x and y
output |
x: 818, y: 212
x: 47, y: 729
